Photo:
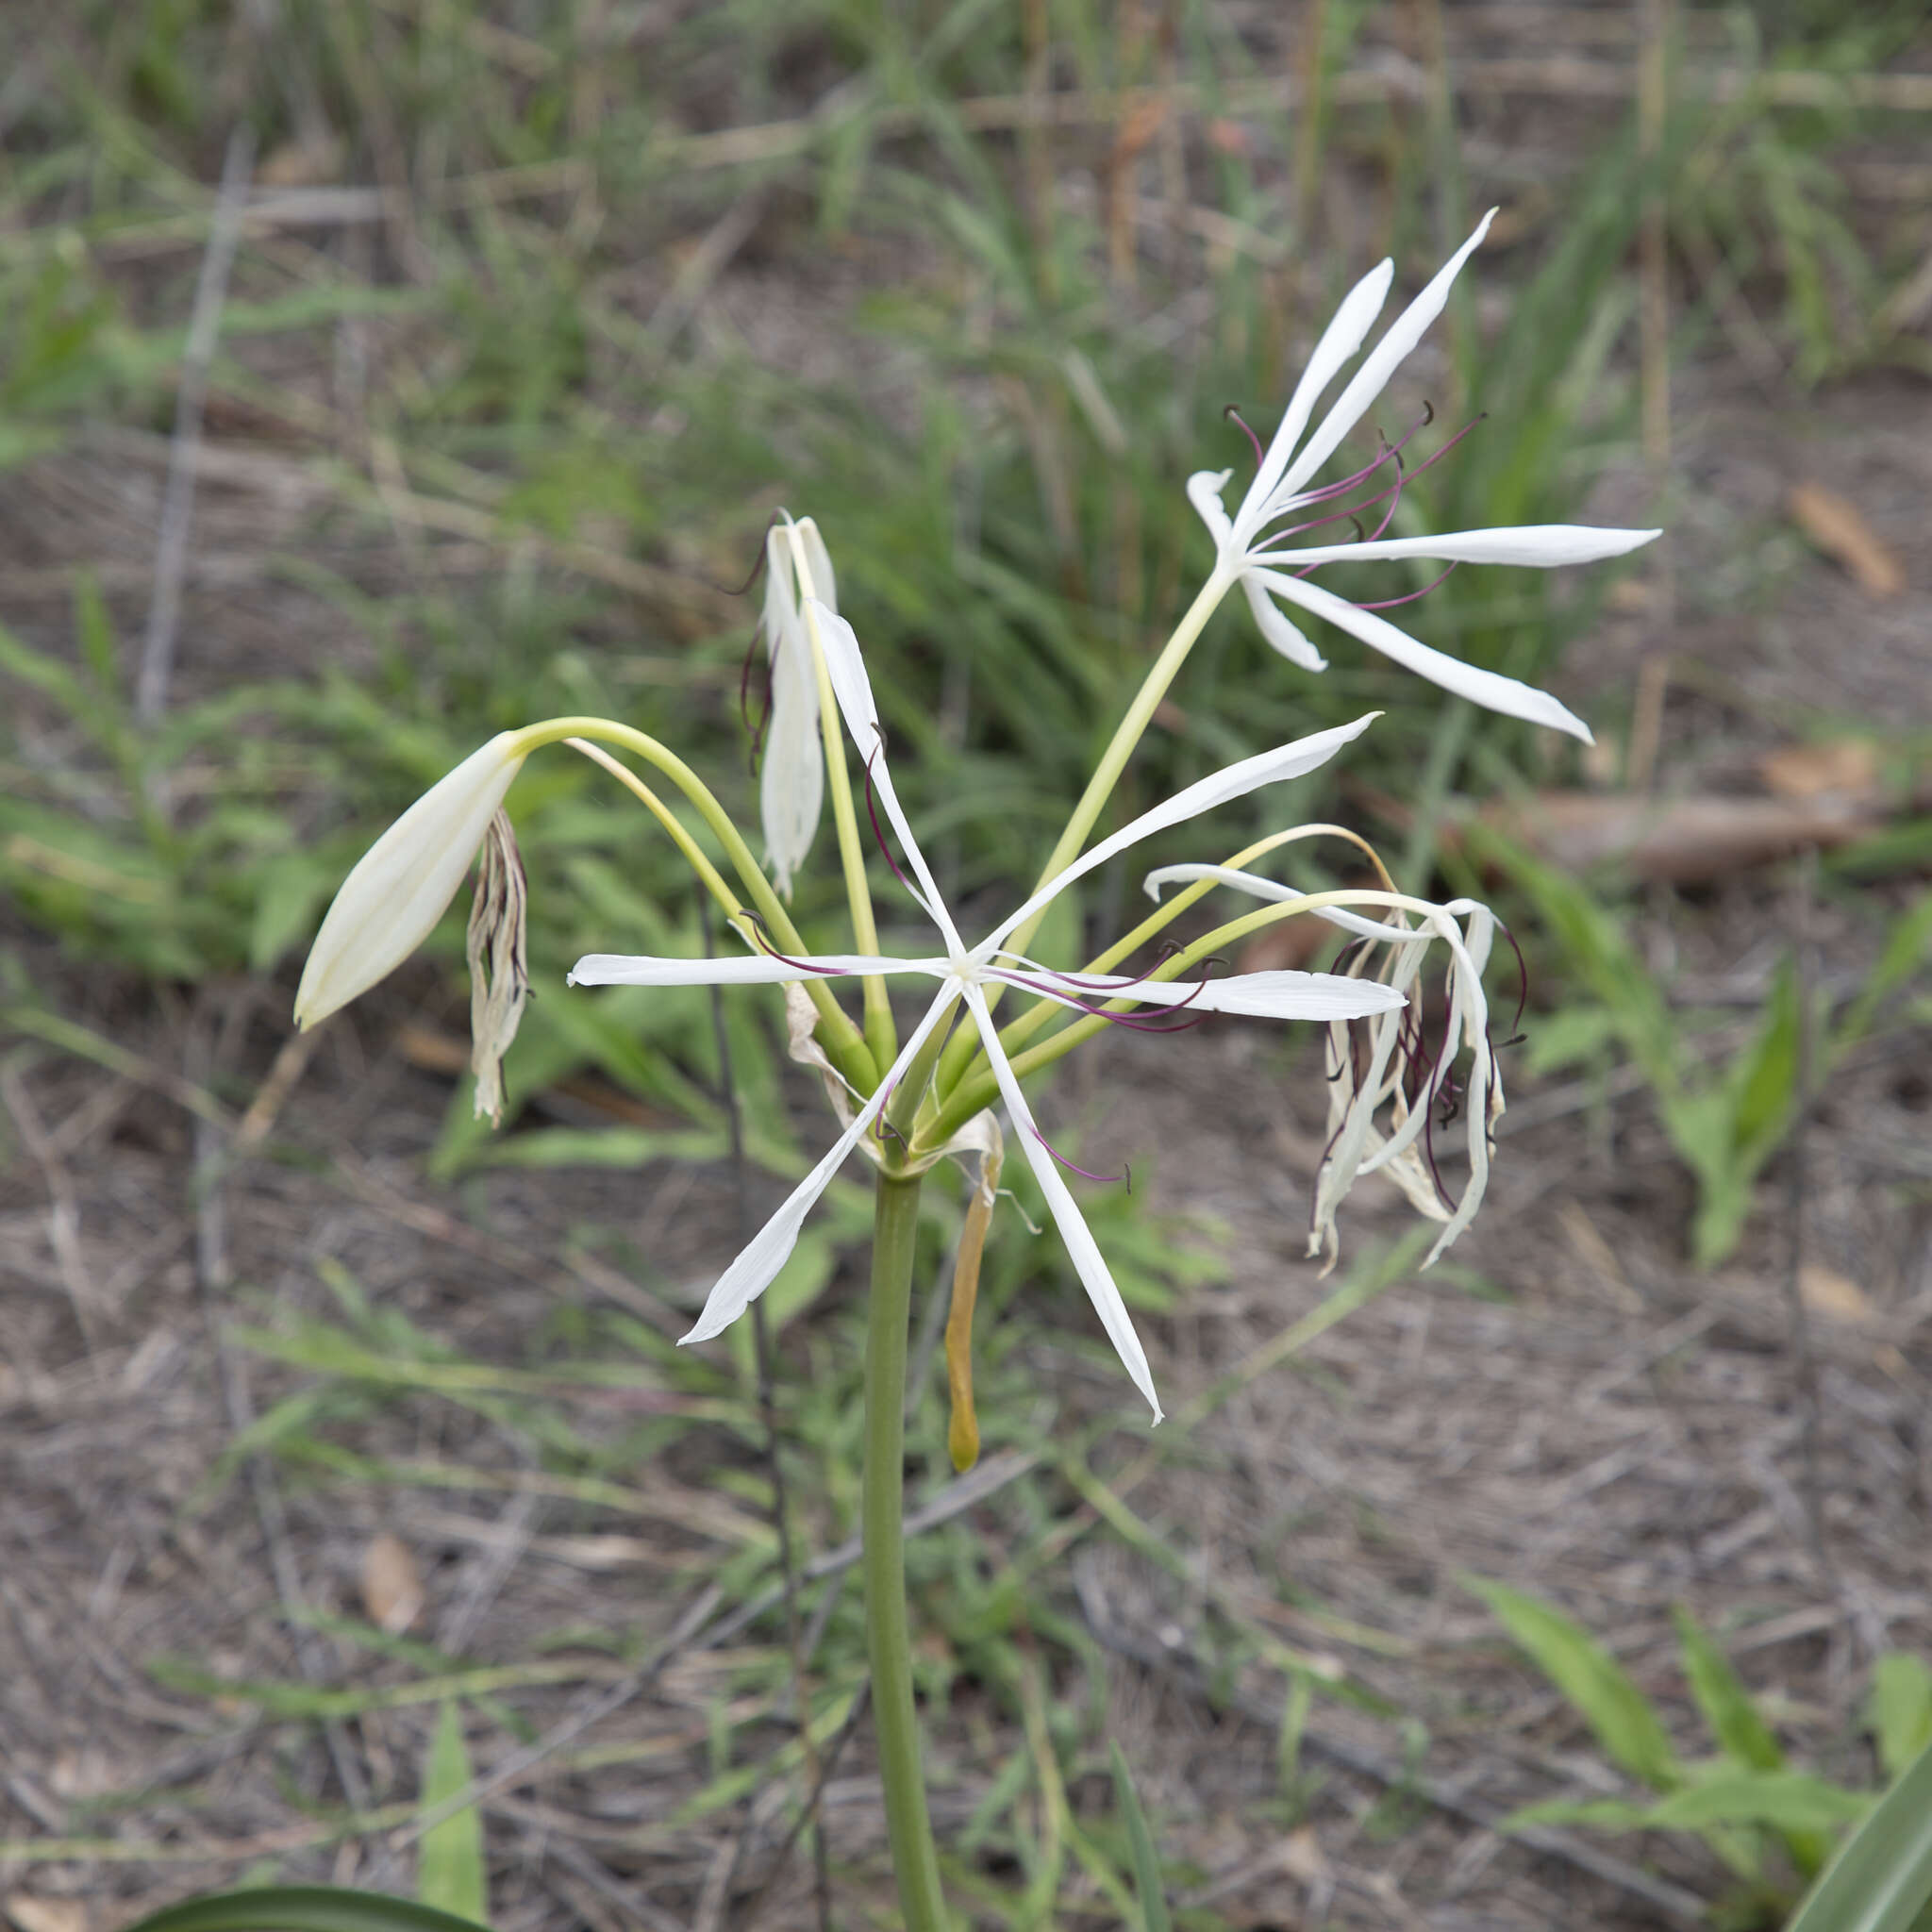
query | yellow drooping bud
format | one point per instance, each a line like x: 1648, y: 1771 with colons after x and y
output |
x: 962, y: 1432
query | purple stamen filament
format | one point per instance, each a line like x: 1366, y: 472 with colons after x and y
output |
x: 1126, y: 1174
x: 1234, y: 415
x: 871, y: 811
x: 757, y: 926
x: 1390, y: 603
x: 1048, y: 990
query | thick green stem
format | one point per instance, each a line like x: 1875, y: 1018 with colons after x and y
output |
x: 896, y: 1722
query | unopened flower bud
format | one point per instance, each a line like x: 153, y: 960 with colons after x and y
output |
x: 392, y: 900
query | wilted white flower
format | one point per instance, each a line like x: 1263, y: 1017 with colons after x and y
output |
x: 1254, y: 546
x: 963, y: 972
x: 499, y: 967
x: 1404, y: 1068
x: 390, y: 903
x: 792, y: 782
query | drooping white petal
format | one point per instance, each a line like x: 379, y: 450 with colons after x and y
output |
x: 755, y: 1268
x: 1273, y: 996
x: 1368, y: 381
x: 852, y: 689
x: 756, y: 969
x: 1340, y: 340
x: 1490, y: 688
x: 1204, y: 492
x: 1276, y: 628
x: 1258, y: 887
x: 390, y: 903
x: 1540, y: 546
x: 1218, y: 788
x: 1088, y: 1261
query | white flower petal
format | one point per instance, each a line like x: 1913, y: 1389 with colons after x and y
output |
x: 1273, y: 995
x: 792, y: 781
x: 757, y: 968
x: 1540, y: 546
x: 1369, y: 380
x: 766, y: 1253
x: 390, y: 903
x: 1340, y: 340
x: 823, y: 585
x: 1489, y: 689
x: 1257, y: 887
x: 853, y: 689
x: 1088, y: 1261
x: 1218, y: 788
x: 1276, y: 628
x: 1204, y: 492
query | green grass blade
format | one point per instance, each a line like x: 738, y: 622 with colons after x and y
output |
x: 1722, y: 1699
x: 1881, y: 1879
x: 301, y: 1909
x: 1590, y: 1679
x: 1900, y: 1709
x: 1153, y: 1914
x: 450, y: 1873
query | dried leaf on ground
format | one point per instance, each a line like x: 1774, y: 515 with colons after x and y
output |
x: 391, y: 1586
x: 1847, y: 767
x: 32, y: 1913
x: 1839, y: 528
x: 1827, y: 1292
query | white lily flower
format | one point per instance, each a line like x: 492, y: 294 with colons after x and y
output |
x: 792, y: 781
x: 962, y: 973
x: 1253, y: 545
x: 390, y: 903
x: 1411, y: 1074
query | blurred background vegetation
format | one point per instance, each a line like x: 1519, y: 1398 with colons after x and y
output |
x: 466, y: 347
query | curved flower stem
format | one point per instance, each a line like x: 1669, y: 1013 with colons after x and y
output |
x: 895, y: 1720
x: 879, y: 1035
x: 844, y: 1041
x: 1113, y: 761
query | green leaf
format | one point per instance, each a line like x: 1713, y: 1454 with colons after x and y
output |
x: 1588, y: 1676
x: 301, y: 1909
x: 1899, y: 1709
x: 1153, y: 1914
x: 1784, y: 1800
x: 450, y: 1873
x: 1881, y: 1879
x: 1722, y: 1699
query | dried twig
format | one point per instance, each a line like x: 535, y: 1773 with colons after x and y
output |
x: 178, y: 501
x: 63, y: 1205
x: 212, y: 1268
x: 1804, y: 1364
x: 768, y: 1410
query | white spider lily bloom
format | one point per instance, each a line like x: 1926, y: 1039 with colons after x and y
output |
x: 962, y: 973
x: 1405, y: 1069
x: 792, y: 781
x: 390, y: 903
x: 1254, y: 548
